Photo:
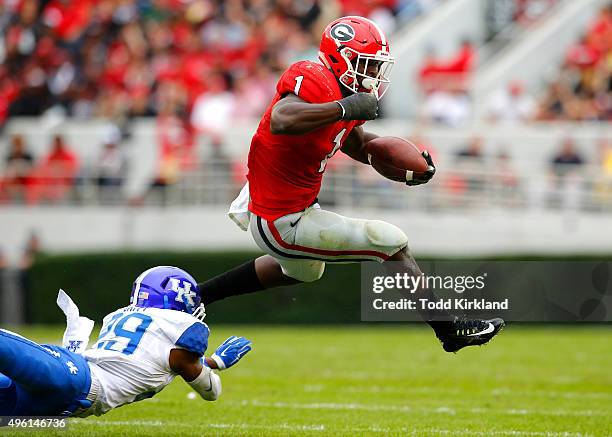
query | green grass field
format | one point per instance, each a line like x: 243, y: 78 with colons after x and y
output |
x: 388, y: 381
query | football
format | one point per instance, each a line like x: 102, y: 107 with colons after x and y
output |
x: 392, y: 156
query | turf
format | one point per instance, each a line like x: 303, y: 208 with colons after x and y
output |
x: 530, y: 381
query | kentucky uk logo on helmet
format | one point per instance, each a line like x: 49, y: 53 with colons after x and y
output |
x: 342, y: 32
x: 183, y: 291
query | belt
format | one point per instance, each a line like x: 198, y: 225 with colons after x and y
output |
x: 94, y: 389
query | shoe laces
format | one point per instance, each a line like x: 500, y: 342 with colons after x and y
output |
x: 468, y: 326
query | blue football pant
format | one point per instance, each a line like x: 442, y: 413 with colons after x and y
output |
x: 40, y: 379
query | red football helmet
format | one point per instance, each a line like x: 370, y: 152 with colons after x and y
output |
x: 356, y: 50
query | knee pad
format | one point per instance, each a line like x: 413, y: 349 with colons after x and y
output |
x: 303, y: 270
x: 384, y: 234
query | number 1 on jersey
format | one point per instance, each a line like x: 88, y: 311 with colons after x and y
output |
x: 337, y: 144
x: 298, y: 84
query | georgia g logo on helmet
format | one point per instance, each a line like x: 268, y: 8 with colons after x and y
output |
x: 342, y: 32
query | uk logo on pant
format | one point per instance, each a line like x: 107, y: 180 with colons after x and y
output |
x: 73, y: 369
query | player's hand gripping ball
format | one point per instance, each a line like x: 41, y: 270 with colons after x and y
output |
x: 400, y: 160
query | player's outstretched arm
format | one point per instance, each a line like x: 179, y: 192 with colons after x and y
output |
x: 293, y: 116
x: 200, y: 377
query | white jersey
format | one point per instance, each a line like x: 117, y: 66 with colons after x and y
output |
x: 130, y: 358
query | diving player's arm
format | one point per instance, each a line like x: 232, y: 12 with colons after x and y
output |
x: 355, y: 143
x: 201, y: 378
x: 293, y: 116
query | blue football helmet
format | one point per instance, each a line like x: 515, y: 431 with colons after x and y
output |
x: 169, y: 288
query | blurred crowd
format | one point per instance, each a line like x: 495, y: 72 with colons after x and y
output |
x: 198, y: 65
x: 482, y: 172
x: 477, y: 171
x: 52, y: 177
x: 194, y: 65
x: 580, y: 91
x: 129, y: 58
x: 445, y: 81
x: 570, y: 179
x: 583, y: 89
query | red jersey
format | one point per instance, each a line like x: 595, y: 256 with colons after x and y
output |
x: 285, y: 171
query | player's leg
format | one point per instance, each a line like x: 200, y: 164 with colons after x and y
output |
x: 453, y: 332
x: 352, y: 239
x: 26, y: 362
x: 336, y: 238
x: 298, y: 245
x: 323, y: 236
x: 53, y: 376
x: 317, y: 234
x: 254, y: 275
x: 270, y: 273
x: 8, y: 395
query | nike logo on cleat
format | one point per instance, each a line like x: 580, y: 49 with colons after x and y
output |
x: 292, y: 224
x: 488, y: 329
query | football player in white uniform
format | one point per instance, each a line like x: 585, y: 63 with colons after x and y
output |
x: 141, y: 348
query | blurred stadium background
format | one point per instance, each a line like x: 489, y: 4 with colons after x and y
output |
x: 125, y: 125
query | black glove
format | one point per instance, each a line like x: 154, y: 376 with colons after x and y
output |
x: 359, y: 106
x: 418, y: 178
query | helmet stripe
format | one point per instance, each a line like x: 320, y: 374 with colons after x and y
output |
x: 324, y: 60
x: 383, y: 39
x: 139, y: 281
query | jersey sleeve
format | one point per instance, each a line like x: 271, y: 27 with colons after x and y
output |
x: 182, y: 330
x: 308, y: 81
x: 194, y: 338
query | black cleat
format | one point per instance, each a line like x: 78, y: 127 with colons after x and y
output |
x: 468, y: 332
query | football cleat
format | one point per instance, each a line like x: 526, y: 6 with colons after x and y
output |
x: 468, y: 332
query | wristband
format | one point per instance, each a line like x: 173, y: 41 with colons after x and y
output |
x: 217, y: 359
x: 343, y: 110
x: 207, y: 384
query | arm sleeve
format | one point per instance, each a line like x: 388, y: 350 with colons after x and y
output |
x: 207, y: 384
x: 307, y: 81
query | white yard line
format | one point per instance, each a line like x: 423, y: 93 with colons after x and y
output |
x: 552, y: 393
x: 321, y: 428
x: 408, y: 409
x: 509, y: 432
x: 284, y: 426
x: 157, y: 423
x: 495, y: 391
x: 117, y: 422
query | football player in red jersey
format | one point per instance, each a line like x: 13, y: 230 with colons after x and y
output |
x: 318, y: 109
